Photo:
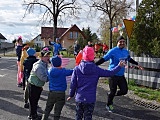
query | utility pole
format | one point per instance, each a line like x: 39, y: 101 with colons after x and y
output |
x: 137, y: 4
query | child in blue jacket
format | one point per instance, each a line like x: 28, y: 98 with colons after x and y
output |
x: 57, y: 87
x: 56, y: 46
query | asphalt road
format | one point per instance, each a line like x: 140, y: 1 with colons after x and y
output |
x: 11, y: 100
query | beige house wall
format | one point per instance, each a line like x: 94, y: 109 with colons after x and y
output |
x: 66, y: 41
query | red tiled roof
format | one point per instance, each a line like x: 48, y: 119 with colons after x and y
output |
x: 47, y: 32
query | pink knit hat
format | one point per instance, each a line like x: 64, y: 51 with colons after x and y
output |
x: 19, y: 37
x: 88, y: 54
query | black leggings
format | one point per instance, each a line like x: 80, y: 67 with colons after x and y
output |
x: 115, y: 81
x: 34, y: 96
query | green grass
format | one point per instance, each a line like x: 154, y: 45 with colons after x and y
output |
x: 66, y: 55
x: 144, y: 92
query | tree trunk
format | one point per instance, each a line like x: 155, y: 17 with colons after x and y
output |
x: 110, y: 35
x: 55, y: 29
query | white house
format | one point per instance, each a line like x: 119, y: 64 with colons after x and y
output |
x: 38, y: 42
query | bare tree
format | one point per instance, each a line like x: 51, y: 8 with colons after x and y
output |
x: 52, y: 10
x: 113, y: 9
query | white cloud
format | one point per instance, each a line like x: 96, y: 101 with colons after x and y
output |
x: 12, y: 22
x: 13, y: 25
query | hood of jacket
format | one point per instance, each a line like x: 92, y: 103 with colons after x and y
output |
x: 87, y: 67
x: 55, y: 72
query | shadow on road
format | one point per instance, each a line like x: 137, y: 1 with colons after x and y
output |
x: 6, y: 100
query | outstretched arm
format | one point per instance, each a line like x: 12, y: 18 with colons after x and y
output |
x: 100, y: 61
x: 133, y: 61
x: 136, y: 63
x: 112, y: 72
x: 51, y: 43
x: 106, y: 57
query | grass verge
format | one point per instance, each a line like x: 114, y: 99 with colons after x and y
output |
x: 144, y: 92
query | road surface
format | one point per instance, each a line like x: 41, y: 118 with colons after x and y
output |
x: 11, y: 100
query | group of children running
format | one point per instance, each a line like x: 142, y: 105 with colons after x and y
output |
x: 84, y: 79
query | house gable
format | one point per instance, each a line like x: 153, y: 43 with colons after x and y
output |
x: 73, y: 29
x: 2, y: 37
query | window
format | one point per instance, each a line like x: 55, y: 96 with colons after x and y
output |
x: 76, y: 35
x: 71, y: 35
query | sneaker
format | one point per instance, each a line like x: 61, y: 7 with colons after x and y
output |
x: 35, y: 117
x: 26, y: 105
x: 19, y: 85
x: 29, y: 117
x: 38, y: 118
x: 109, y: 108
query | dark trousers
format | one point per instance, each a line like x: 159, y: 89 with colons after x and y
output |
x: 34, y: 95
x: 24, y: 81
x: 26, y: 94
x: 115, y: 81
x: 84, y: 109
x: 56, y: 99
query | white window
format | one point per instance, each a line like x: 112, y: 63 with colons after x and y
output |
x: 76, y: 35
x: 71, y: 35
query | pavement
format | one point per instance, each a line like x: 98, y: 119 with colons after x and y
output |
x: 11, y: 100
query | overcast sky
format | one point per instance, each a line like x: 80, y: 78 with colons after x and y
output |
x: 13, y: 25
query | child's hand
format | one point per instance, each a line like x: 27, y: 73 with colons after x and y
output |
x: 122, y: 63
x: 68, y: 98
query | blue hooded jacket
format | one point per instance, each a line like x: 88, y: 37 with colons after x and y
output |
x: 57, y: 78
x: 57, y: 47
x: 115, y: 55
x: 84, y: 81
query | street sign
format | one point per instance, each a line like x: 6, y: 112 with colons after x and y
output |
x: 129, y: 26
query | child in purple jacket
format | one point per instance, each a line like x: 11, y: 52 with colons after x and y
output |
x: 84, y: 83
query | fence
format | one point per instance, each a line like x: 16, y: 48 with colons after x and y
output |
x: 6, y: 45
x: 150, y: 76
